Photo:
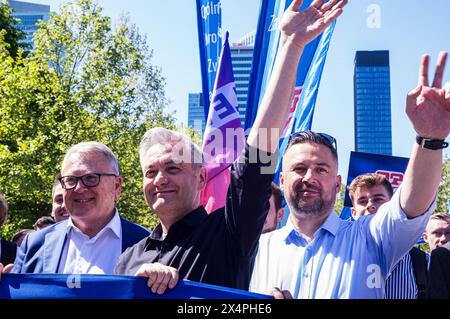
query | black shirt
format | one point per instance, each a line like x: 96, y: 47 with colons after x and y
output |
x: 218, y: 248
x: 8, y: 252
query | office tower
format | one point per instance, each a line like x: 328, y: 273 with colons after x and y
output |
x: 372, y: 102
x: 29, y: 14
x: 241, y: 57
x: 196, y: 113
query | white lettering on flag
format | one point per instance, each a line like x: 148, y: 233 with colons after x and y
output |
x: 225, y: 106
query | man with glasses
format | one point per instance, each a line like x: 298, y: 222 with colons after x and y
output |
x: 94, y: 236
x: 317, y: 255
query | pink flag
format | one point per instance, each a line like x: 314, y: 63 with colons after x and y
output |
x: 224, y: 136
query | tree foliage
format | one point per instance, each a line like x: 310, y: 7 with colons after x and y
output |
x: 85, y: 80
x: 11, y: 34
x: 444, y: 189
x: 339, y: 204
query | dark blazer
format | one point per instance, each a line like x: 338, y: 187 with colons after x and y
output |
x: 439, y: 287
x: 41, y: 251
x: 8, y: 252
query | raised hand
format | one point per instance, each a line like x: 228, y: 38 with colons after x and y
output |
x: 159, y: 276
x: 302, y: 27
x: 428, y: 107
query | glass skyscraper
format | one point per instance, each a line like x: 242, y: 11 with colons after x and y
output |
x: 196, y: 113
x: 372, y: 102
x: 241, y: 57
x: 29, y: 14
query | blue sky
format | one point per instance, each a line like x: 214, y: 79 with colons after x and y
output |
x: 408, y: 28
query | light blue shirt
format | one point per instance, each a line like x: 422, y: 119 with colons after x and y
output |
x: 346, y: 259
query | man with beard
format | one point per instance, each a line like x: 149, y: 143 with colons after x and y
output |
x: 318, y: 255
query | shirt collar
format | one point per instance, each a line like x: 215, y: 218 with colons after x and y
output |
x: 114, y: 225
x: 331, y: 225
x: 192, y: 219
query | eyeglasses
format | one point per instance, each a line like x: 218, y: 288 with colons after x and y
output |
x: 88, y: 180
x: 330, y: 139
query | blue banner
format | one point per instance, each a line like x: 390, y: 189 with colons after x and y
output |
x: 209, y: 24
x: 393, y: 167
x: 58, y: 286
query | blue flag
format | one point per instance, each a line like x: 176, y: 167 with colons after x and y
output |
x: 209, y: 23
x: 308, y: 76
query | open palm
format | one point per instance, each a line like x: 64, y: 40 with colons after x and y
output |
x: 302, y: 27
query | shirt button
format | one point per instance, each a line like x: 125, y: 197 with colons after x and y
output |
x: 306, y: 274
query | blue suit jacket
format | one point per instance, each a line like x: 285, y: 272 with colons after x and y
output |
x: 41, y: 251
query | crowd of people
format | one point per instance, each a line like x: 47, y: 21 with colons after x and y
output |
x: 315, y: 255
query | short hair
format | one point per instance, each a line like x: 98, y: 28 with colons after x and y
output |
x: 440, y: 216
x: 87, y: 147
x: 3, y: 210
x: 277, y: 196
x: 310, y: 137
x: 20, y: 236
x: 43, y: 222
x: 369, y: 180
x: 160, y: 135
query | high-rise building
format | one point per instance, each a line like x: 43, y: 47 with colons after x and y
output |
x: 372, y: 101
x: 196, y: 113
x: 29, y: 15
x: 241, y: 58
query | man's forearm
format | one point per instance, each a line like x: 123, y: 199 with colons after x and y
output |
x: 274, y: 108
x: 421, y: 182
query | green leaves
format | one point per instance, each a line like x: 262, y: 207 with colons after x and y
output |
x: 443, y: 199
x: 11, y: 35
x: 85, y: 80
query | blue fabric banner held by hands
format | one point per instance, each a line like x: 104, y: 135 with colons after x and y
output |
x: 58, y: 286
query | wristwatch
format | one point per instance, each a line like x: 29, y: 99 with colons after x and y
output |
x: 431, y: 144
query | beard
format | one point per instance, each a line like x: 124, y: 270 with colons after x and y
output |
x: 303, y: 205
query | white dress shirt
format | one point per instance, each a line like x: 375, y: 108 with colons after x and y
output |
x: 96, y: 255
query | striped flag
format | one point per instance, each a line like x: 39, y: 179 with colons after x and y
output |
x: 224, y: 136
